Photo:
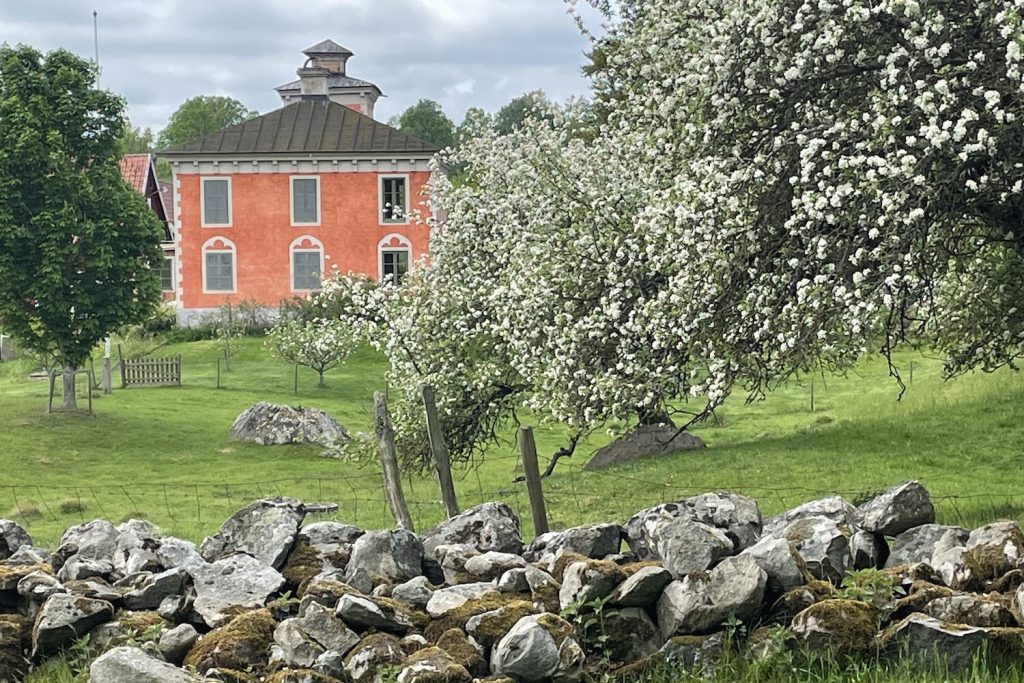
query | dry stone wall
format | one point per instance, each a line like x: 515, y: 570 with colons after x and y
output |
x: 273, y: 598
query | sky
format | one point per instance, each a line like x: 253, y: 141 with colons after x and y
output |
x: 461, y: 53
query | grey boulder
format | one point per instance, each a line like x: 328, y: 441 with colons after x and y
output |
x: 539, y: 648
x: 64, y: 618
x: 268, y: 423
x: 700, y: 603
x: 923, y: 638
x: 265, y: 529
x: 384, y: 557
x: 592, y: 540
x: 154, y: 588
x: 643, y: 588
x: 897, y: 509
x: 686, y: 546
x: 489, y: 526
x: 133, y: 665
x: 12, y: 537
x: 225, y: 586
x: 918, y: 544
x: 174, y: 643
x: 823, y: 545
x: 833, y: 507
x: 781, y: 563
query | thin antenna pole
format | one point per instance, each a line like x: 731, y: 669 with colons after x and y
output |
x: 96, y: 43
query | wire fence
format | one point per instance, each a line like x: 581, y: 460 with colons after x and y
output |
x: 573, y: 496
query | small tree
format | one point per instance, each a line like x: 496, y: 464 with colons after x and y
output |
x: 77, y: 245
x: 427, y: 121
x: 317, y: 343
x: 202, y: 115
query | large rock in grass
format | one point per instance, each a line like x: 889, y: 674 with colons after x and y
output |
x: 643, y: 442
x: 237, y: 582
x: 780, y: 561
x: 64, y: 618
x: 269, y: 423
x: 897, y: 509
x: 133, y: 665
x: 265, y: 529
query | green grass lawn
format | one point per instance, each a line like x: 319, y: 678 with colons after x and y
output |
x: 164, y: 453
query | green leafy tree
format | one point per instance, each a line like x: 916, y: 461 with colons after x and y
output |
x: 473, y: 124
x: 427, y: 121
x: 136, y: 140
x: 531, y: 105
x: 77, y: 244
x: 202, y: 115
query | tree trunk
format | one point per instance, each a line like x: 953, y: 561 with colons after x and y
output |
x: 321, y: 373
x: 70, y: 400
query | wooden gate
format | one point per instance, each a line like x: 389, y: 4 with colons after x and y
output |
x: 151, y: 372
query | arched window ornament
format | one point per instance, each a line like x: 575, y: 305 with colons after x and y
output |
x: 394, y: 254
x: 219, y: 265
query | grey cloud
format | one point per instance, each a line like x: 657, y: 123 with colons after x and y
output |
x: 158, y: 53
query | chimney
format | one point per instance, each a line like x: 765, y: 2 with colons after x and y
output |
x: 313, y: 82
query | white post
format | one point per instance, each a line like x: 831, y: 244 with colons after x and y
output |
x: 107, y: 380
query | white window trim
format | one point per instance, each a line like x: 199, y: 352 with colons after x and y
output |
x: 202, y: 202
x: 383, y: 246
x: 174, y: 268
x: 230, y: 247
x: 291, y: 199
x: 294, y: 247
x: 380, y: 199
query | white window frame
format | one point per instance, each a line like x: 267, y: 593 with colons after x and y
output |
x: 202, y: 201
x: 291, y: 199
x: 380, y: 198
x: 174, y: 264
x: 293, y: 248
x: 228, y: 248
x: 383, y: 245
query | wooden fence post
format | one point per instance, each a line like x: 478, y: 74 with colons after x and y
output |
x: 528, y: 453
x: 389, y: 462
x: 439, y: 451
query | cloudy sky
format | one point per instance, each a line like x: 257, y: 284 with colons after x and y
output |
x: 462, y: 53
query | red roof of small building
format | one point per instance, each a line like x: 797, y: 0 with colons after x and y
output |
x: 135, y: 170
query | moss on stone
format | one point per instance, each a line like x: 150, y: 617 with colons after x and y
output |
x: 493, y: 626
x: 986, y: 563
x: 563, y: 561
x: 241, y: 644
x: 921, y: 593
x: 385, y: 644
x: 645, y: 669
x: 434, y: 665
x: 299, y: 676
x: 11, y: 574
x: 557, y: 627
x: 546, y: 599
x: 457, y: 618
x: 456, y: 643
x: 327, y: 593
x: 632, y: 568
x: 15, y: 640
x: 839, y: 626
x: 139, y: 622
x: 234, y: 676
x: 418, y: 618
x: 303, y: 564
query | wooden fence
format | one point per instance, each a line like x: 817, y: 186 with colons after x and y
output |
x: 151, y: 372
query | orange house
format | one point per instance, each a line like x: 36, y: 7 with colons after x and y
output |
x: 264, y: 209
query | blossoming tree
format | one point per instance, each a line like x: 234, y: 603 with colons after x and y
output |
x: 772, y: 187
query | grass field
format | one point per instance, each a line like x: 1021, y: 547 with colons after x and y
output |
x: 164, y: 453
